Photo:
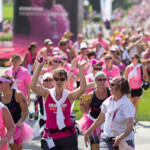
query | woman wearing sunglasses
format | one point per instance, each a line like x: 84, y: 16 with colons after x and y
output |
x: 96, y: 66
x: 48, y: 83
x: 59, y: 133
x: 55, y: 63
x: 134, y: 76
x: 117, y: 114
x: 110, y: 69
x: 93, y: 104
x: 16, y: 103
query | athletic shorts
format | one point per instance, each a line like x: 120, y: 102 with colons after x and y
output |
x: 68, y: 143
x: 106, y: 144
x: 136, y: 92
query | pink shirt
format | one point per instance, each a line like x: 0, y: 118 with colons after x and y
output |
x: 75, y: 71
x: 23, y: 79
x: 135, y: 82
x: 112, y: 73
x: 2, y: 128
x: 51, y: 122
x: 102, y: 42
x: 89, y: 78
x: 31, y: 59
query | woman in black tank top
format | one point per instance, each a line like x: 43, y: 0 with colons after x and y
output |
x: 93, y: 104
x: 17, y: 105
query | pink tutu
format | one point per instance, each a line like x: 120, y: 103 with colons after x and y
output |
x: 23, y: 135
x: 85, y: 123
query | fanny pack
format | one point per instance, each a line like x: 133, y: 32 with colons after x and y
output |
x: 62, y: 130
x: 47, y: 143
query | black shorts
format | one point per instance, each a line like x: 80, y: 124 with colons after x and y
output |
x: 68, y: 143
x: 136, y: 92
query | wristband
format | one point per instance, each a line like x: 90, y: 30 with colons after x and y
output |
x: 40, y: 59
x: 21, y: 119
x: 71, y: 70
x: 8, y: 137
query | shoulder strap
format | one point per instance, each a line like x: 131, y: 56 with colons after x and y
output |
x: 142, y: 73
x: 13, y: 96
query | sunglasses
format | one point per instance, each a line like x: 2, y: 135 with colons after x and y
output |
x: 48, y: 80
x: 61, y: 79
x: 55, y: 61
x: 100, y: 79
x: 64, y: 59
x: 112, y: 84
x: 133, y: 57
x: 97, y: 69
x: 1, y: 82
x: 63, y: 44
x: 108, y: 58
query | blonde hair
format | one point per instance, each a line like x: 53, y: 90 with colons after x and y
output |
x: 15, y: 57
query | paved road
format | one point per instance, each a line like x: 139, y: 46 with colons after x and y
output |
x: 142, y: 135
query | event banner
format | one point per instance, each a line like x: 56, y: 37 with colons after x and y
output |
x: 36, y: 20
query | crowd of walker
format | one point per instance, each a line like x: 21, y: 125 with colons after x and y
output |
x: 106, y: 77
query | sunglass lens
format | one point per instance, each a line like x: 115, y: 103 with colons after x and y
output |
x: 62, y: 79
x: 56, y: 79
x: 97, y: 69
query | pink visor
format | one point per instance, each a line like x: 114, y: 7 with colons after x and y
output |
x: 5, y: 80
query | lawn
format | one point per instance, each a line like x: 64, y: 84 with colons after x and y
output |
x: 7, y: 15
x: 143, y: 113
x: 6, y: 37
x: 8, y: 11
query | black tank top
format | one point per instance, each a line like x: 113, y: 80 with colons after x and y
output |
x: 96, y: 103
x: 14, y: 108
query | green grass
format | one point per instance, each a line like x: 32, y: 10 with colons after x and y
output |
x: 6, y: 37
x: 8, y: 10
x: 144, y: 107
x: 143, y: 113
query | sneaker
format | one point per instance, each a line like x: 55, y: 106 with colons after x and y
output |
x: 134, y: 123
x: 136, y: 120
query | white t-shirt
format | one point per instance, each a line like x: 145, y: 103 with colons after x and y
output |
x: 126, y: 110
x: 99, y: 52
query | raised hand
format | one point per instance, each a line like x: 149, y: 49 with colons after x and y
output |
x: 74, y: 63
x: 82, y: 63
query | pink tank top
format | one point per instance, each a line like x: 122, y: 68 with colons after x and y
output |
x: 51, y: 109
x: 31, y: 58
x: 135, y: 82
x: 2, y: 128
x: 89, y: 79
x: 75, y: 71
